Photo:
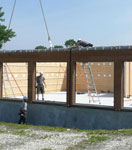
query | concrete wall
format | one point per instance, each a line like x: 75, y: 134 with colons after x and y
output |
x: 9, y: 111
x: 69, y: 117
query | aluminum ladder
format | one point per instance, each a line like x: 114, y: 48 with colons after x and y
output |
x: 91, y: 87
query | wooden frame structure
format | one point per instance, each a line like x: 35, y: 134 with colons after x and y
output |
x: 118, y: 55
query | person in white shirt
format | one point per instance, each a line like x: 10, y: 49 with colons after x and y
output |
x: 23, y: 111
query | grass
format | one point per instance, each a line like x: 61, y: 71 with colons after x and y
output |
x: 16, y: 126
x: 1, y: 131
x: 93, y: 136
x: 85, y: 143
x: 19, y: 132
x: 125, y: 132
x: 46, y: 149
x: 96, y: 139
x: 24, y: 126
x: 44, y: 137
x: 77, y: 147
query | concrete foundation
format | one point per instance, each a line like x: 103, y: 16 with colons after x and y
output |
x: 69, y: 117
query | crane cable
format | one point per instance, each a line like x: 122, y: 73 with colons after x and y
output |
x: 42, y: 9
x: 12, y: 15
x: 44, y: 19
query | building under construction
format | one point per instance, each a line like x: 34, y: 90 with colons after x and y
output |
x: 110, y: 64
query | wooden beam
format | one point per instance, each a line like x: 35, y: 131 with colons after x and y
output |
x: 49, y: 56
x: 118, y: 85
x: 31, y: 81
x: 91, y: 55
x: 1, y: 79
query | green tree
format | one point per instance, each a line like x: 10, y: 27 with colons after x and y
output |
x: 40, y: 47
x: 58, y: 46
x: 70, y: 43
x: 5, y: 34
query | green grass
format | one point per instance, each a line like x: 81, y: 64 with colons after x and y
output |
x: 96, y: 139
x: 46, y: 149
x: 44, y: 137
x: 123, y: 132
x: 11, y: 126
x: 16, y: 126
x: 84, y: 144
x: 77, y: 147
x: 19, y: 132
x: 48, y: 128
x: 25, y: 126
x: 2, y: 131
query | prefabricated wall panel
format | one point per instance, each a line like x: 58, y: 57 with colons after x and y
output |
x: 56, y: 77
x: 103, y: 75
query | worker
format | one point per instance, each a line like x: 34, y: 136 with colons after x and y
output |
x: 23, y: 111
x: 40, y: 80
x: 83, y: 43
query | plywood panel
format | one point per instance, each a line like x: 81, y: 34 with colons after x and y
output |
x: 56, y: 78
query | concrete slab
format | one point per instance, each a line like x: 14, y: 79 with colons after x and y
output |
x: 105, y: 98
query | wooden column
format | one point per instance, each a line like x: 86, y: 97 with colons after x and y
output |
x: 71, y: 81
x: 1, y: 79
x: 68, y: 83
x: 31, y: 81
x: 118, y: 85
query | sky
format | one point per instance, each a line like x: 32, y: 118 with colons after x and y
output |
x: 100, y: 22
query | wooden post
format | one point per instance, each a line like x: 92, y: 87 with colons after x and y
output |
x: 73, y: 82
x: 68, y: 101
x: 1, y: 79
x: 118, y: 85
x: 31, y: 81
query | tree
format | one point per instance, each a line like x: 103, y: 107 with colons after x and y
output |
x: 70, y: 43
x: 40, y: 47
x: 5, y: 34
x: 58, y: 46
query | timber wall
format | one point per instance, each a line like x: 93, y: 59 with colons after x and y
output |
x: 56, y: 77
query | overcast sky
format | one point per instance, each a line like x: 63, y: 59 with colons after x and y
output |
x: 101, y: 22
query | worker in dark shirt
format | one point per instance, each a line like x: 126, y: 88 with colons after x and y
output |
x: 82, y: 43
x: 40, y: 85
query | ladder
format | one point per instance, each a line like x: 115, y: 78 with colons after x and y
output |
x: 91, y: 87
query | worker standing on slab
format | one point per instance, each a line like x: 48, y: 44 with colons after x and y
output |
x: 81, y: 43
x: 40, y: 80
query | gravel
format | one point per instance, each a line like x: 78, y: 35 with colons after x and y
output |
x: 39, y: 139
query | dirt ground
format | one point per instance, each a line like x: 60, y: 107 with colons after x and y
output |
x: 15, y: 137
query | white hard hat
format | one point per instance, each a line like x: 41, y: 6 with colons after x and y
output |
x: 41, y: 73
x: 79, y: 39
